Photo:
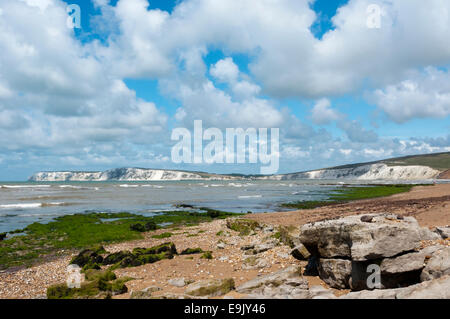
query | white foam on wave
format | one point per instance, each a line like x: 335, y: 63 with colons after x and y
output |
x: 250, y: 196
x: 28, y: 205
x: 32, y: 205
x: 128, y: 185
x: 25, y: 186
x: 152, y: 186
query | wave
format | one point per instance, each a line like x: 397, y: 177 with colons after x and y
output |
x: 25, y: 186
x: 32, y: 205
x: 250, y: 196
x: 128, y: 185
x: 153, y: 186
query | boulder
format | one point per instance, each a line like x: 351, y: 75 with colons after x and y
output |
x: 254, y: 262
x: 288, y: 279
x: 210, y: 287
x: 408, y: 262
x: 319, y: 292
x: 300, y: 252
x: 352, y: 238
x: 434, y: 289
x: 427, y: 234
x: 177, y: 282
x: 437, y: 266
x: 335, y: 272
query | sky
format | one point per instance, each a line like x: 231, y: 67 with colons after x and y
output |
x: 344, y: 82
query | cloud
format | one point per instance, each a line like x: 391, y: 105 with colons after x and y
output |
x: 323, y: 114
x: 225, y: 71
x: 425, y: 94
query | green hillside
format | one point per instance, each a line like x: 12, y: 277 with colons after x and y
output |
x: 439, y: 161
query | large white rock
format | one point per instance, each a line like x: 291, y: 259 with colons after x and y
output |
x: 350, y: 237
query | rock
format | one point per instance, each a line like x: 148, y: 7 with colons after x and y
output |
x: 367, y: 219
x: 87, y: 257
x: 319, y: 292
x: 289, y: 235
x: 141, y: 295
x: 433, y: 289
x: 210, y: 287
x: 444, y: 232
x: 151, y: 289
x: 260, y: 248
x: 116, y: 257
x: 300, y: 252
x: 268, y: 229
x: 408, y: 262
x: 255, y: 263
x: 427, y: 234
x: 335, y: 272
x: 248, y: 247
x: 141, y: 256
x: 177, y: 282
x: 223, y: 258
x: 438, y: 265
x: 192, y: 251
x: 351, y: 238
x: 290, y: 276
x: 221, y: 245
x: 2, y: 236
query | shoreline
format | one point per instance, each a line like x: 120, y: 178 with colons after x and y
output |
x: 429, y: 204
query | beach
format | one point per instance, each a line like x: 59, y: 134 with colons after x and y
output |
x: 430, y: 205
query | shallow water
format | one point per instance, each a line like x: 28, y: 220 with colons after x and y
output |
x: 24, y: 203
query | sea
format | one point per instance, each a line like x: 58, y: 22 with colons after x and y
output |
x: 23, y: 203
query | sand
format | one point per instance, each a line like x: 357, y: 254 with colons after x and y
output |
x: 430, y: 205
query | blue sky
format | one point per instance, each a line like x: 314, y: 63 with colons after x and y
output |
x: 109, y: 94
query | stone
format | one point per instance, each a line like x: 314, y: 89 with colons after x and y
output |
x: 255, y: 263
x: 444, y: 232
x: 248, y: 247
x: 349, y: 237
x: 408, y: 262
x: 437, y: 266
x: 257, y: 286
x: 260, y: 248
x: 210, y: 287
x: 300, y: 252
x: 319, y: 292
x: 87, y: 257
x: 141, y: 295
x: 177, y: 282
x: 427, y: 234
x: 221, y: 245
x: 151, y: 289
x: 433, y: 289
x: 335, y: 272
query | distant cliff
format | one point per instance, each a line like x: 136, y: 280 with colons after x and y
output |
x: 369, y: 172
x: 362, y: 172
x: 123, y: 174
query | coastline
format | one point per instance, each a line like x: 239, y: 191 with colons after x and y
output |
x: 430, y: 205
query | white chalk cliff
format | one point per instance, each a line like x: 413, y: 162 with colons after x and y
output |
x: 369, y: 172
x: 362, y: 172
x: 119, y: 174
